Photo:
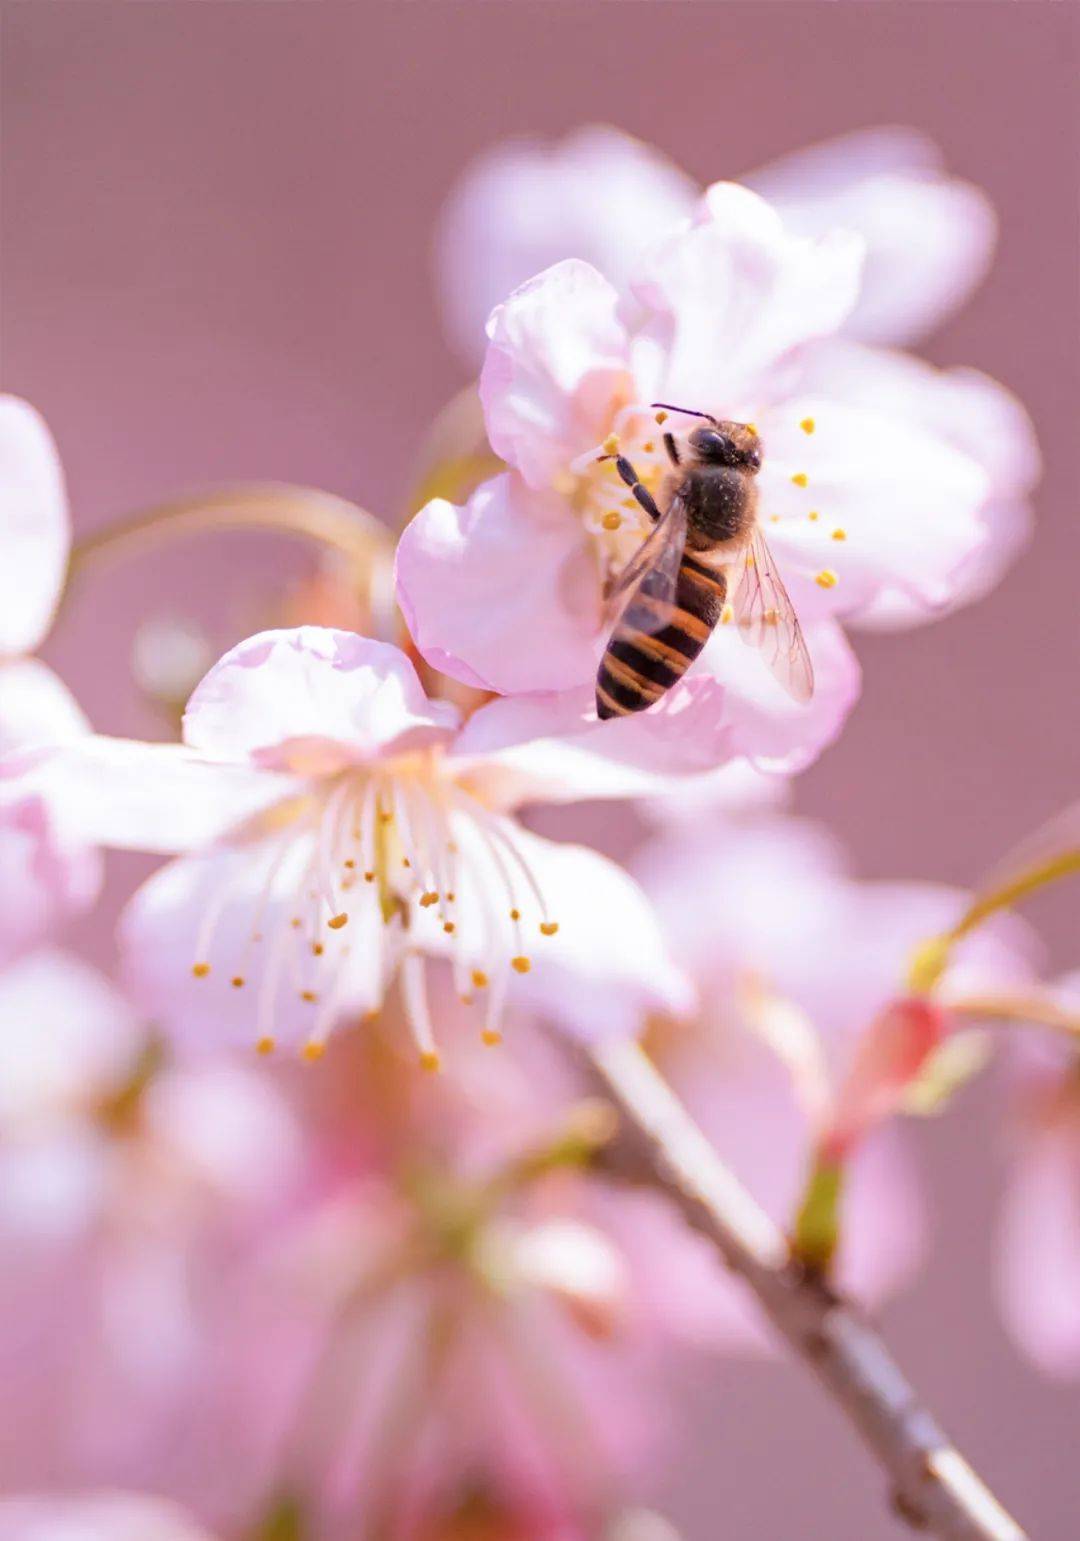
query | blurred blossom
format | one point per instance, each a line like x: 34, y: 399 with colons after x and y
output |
x: 794, y: 960
x: 879, y: 497
x: 125, y: 1193
x: 465, y: 1327
x: 343, y: 825
x: 47, y: 873
x: 1038, y: 1254
x: 605, y: 197
x: 96, y: 1517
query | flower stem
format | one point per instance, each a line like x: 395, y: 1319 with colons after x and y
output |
x: 321, y: 517
x: 933, y: 1487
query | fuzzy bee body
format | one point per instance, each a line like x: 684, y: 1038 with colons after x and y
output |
x: 705, y: 552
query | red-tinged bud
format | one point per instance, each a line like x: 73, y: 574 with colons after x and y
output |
x: 889, y: 1056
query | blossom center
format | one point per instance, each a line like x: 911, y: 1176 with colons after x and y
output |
x: 379, y: 867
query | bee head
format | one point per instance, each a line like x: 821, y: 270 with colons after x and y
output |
x: 728, y: 444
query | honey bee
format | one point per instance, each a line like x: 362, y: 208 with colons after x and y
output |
x: 706, y: 560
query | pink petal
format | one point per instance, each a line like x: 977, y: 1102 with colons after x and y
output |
x: 522, y: 205
x: 313, y: 700
x: 35, y: 533
x: 552, y: 748
x: 888, y: 1055
x: 46, y: 876
x: 1038, y: 1259
x: 929, y: 237
x: 502, y: 593
x: 883, y: 1220
x: 721, y: 303
x: 556, y: 365
x: 774, y: 732
x: 67, y: 1036
x: 96, y: 1517
x: 140, y: 797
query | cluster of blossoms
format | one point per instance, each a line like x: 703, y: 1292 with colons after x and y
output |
x: 287, y: 1294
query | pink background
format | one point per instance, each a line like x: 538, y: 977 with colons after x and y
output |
x: 216, y: 264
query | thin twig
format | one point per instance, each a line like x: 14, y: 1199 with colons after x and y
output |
x: 308, y: 512
x: 933, y: 1487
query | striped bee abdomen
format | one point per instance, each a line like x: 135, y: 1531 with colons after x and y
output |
x: 656, y: 641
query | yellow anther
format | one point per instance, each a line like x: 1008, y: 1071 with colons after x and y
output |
x: 266, y: 1045
x: 727, y: 615
x: 448, y: 927
x: 611, y: 444
x: 839, y: 535
x: 296, y: 922
x: 752, y: 428
x: 479, y: 979
x: 386, y: 815
x: 813, y: 515
x: 318, y: 949
x: 522, y: 965
x: 349, y: 863
x: 491, y: 1036
x: 311, y: 996
x: 808, y: 425
x: 369, y: 877
x: 826, y: 579
x: 611, y: 521
x: 405, y: 862
x: 451, y: 897
x: 430, y: 1061
x: 428, y: 899
x: 237, y: 981
x: 661, y: 417
x: 515, y: 914
x: 337, y: 921
x: 648, y: 447
x: 312, y: 1050
x: 800, y: 479
x: 775, y: 518
x: 200, y: 970
x: 548, y: 927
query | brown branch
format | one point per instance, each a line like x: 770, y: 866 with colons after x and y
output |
x: 933, y: 1487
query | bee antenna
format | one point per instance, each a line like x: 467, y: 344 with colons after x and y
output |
x: 666, y: 406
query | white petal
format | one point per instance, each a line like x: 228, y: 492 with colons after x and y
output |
x: 608, y: 966
x: 36, y: 707
x: 313, y: 700
x: 47, y: 874
x: 35, y: 532
x: 141, y: 797
x: 234, y: 909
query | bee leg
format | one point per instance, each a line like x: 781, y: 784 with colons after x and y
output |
x: 637, y: 487
x: 672, y: 449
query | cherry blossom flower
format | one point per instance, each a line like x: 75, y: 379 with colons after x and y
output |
x: 603, y: 196
x: 96, y: 1517
x: 871, y: 501
x: 465, y: 1321
x: 127, y: 1194
x: 794, y: 960
x: 46, y: 872
x: 342, y: 826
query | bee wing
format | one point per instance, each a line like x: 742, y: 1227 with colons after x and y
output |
x: 659, y: 558
x: 766, y: 619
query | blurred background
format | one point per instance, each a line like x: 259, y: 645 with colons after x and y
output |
x: 217, y: 264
